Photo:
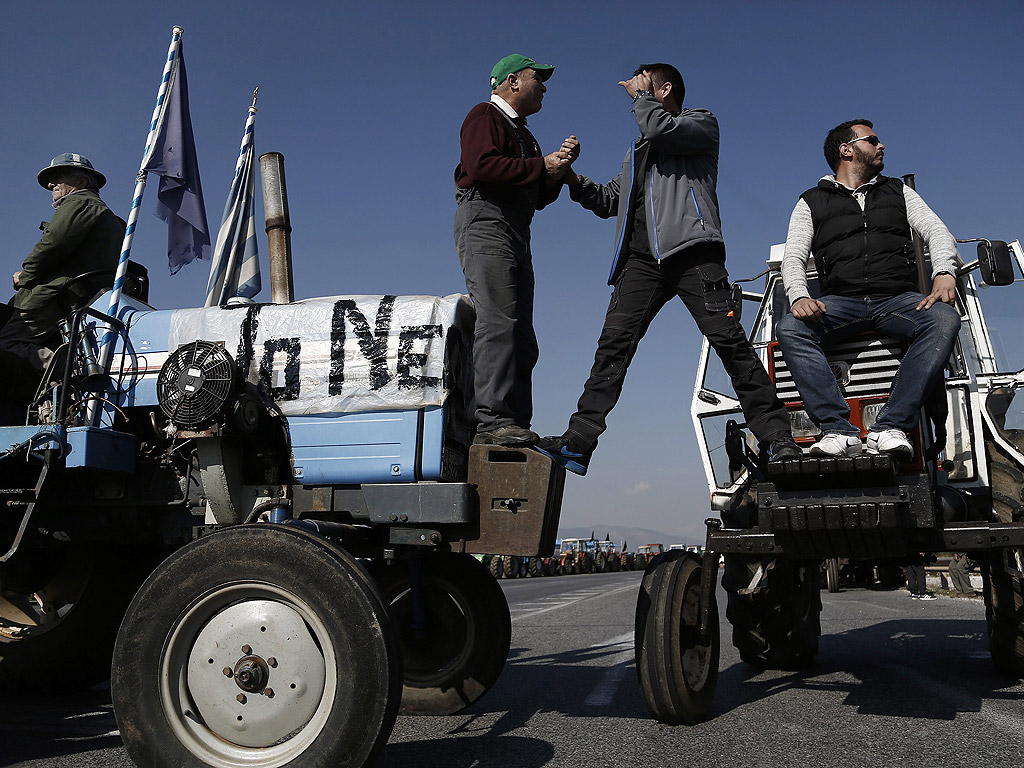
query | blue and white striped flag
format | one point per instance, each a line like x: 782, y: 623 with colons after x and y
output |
x: 235, y: 270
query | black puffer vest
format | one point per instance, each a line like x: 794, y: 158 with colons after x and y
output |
x: 862, y: 253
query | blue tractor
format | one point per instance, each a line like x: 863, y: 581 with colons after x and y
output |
x: 265, y: 514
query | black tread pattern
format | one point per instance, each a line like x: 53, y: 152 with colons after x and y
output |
x: 777, y: 626
x: 1004, y: 614
x: 667, y: 629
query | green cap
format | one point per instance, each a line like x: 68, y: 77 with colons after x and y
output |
x: 515, y: 62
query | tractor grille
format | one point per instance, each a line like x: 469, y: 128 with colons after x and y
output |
x: 863, y: 366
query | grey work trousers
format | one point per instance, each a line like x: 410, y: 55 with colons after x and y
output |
x: 494, y: 250
x: 960, y: 575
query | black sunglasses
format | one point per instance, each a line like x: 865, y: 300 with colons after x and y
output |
x: 873, y: 140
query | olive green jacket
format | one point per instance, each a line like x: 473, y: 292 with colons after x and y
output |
x: 83, y: 236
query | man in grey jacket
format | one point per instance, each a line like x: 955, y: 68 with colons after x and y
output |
x: 668, y: 243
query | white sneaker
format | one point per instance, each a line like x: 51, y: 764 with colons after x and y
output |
x: 927, y: 596
x: 837, y: 444
x: 890, y: 441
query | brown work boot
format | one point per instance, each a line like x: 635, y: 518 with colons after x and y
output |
x: 510, y: 435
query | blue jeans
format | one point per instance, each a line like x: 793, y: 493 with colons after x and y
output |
x: 931, y: 333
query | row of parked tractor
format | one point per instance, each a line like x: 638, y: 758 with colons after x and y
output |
x: 576, y: 556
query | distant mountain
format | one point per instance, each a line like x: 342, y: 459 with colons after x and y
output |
x: 633, y: 536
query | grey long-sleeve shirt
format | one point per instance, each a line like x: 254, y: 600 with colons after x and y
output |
x: 941, y: 244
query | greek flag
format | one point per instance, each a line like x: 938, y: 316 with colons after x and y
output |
x: 235, y: 270
x: 171, y: 154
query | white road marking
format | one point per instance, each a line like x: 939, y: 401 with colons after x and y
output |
x: 571, y: 598
x: 604, y: 691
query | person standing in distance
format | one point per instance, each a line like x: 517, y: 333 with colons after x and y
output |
x: 501, y: 180
x: 668, y: 242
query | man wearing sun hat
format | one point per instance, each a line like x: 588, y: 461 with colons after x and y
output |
x: 84, y: 235
x: 501, y: 179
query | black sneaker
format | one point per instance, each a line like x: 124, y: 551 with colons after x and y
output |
x: 510, y: 436
x: 783, y: 449
x: 563, y: 451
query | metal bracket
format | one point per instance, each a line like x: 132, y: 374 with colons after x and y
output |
x: 420, y: 537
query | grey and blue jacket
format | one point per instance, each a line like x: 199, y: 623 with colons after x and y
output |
x: 679, y: 187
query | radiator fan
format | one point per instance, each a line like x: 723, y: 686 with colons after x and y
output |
x: 195, y: 383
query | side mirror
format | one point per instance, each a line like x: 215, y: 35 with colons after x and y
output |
x: 996, y: 262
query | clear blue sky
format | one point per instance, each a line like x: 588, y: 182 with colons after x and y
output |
x: 365, y: 101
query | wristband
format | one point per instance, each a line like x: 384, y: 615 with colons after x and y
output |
x: 641, y: 92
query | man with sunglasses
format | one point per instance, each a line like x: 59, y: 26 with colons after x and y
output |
x: 668, y: 243
x: 858, y: 223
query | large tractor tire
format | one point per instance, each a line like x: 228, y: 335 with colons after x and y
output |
x: 677, y: 669
x: 601, y: 562
x: 1004, y: 612
x: 1007, y: 481
x: 832, y: 574
x: 1004, y: 591
x: 775, y: 626
x: 495, y: 566
x: 455, y: 644
x: 258, y: 646
x: 509, y: 567
x: 535, y: 567
x: 59, y: 614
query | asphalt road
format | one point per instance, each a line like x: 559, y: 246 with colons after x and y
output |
x: 897, y: 681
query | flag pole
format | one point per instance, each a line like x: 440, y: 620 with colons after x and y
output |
x: 140, y: 180
x: 106, y: 345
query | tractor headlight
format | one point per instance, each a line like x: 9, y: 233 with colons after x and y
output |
x: 802, y: 425
x: 869, y: 414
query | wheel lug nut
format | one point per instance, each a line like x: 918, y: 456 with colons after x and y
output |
x: 246, y: 650
x: 241, y: 698
x: 228, y: 672
x: 272, y: 661
x: 269, y: 693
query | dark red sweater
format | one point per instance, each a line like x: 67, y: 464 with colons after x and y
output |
x: 492, y: 160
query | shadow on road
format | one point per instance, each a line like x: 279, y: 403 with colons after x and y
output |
x: 929, y: 668
x: 483, y: 751
x: 41, y: 727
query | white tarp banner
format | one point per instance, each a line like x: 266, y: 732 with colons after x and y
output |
x: 341, y: 353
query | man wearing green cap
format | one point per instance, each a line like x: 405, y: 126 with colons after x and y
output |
x: 501, y: 179
x: 83, y: 236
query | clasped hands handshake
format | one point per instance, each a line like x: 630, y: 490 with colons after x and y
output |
x: 558, y: 164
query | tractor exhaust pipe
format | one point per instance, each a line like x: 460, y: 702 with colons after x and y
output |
x: 279, y: 227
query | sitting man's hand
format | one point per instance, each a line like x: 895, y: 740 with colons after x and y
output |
x: 943, y: 289
x: 808, y: 309
x: 17, y: 280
